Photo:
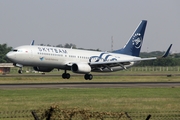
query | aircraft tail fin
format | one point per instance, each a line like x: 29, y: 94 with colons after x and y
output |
x: 133, y: 46
x: 32, y: 43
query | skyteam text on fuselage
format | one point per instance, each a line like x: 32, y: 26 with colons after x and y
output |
x: 45, y: 59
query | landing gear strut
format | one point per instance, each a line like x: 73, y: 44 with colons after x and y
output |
x: 88, y: 76
x: 66, y: 75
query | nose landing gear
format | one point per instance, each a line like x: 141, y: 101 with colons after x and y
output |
x: 20, y: 71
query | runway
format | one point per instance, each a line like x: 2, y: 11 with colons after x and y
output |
x: 91, y: 85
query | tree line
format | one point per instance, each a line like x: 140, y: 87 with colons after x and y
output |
x: 171, y: 60
x: 4, y: 49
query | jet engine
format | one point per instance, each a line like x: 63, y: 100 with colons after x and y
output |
x: 81, y: 68
x: 43, y: 69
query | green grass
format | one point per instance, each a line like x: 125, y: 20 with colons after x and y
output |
x: 120, y: 98
x: 129, y: 75
x: 97, y: 99
x: 94, y: 99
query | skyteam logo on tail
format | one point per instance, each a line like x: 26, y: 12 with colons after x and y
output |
x: 137, y: 40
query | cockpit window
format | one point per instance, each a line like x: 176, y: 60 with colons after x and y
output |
x: 18, y: 50
x: 15, y: 50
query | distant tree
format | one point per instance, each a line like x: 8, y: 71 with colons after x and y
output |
x: 60, y: 45
x: 176, y: 55
x: 48, y: 45
x: 4, y: 49
x: 42, y: 45
x: 69, y: 45
x: 151, y: 54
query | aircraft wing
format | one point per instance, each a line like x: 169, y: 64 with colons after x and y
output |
x: 110, y: 64
x: 122, y: 63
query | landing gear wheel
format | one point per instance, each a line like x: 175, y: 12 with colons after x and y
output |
x: 88, y: 76
x: 20, y: 71
x: 66, y: 75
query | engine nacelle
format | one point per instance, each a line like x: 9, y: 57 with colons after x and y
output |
x: 43, y: 69
x: 81, y: 68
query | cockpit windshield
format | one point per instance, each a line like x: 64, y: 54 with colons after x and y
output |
x: 18, y: 50
x: 15, y: 50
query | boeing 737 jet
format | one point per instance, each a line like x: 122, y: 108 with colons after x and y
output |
x: 45, y: 58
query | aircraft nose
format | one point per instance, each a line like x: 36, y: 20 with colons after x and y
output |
x: 10, y: 55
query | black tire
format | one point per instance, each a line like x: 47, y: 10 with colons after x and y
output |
x: 68, y: 75
x: 64, y: 75
x: 88, y: 76
x: 20, y: 71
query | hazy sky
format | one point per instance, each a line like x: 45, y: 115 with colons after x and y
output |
x: 90, y: 23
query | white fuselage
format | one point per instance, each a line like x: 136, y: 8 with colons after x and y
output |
x: 61, y: 58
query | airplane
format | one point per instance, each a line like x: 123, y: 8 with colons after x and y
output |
x: 45, y: 58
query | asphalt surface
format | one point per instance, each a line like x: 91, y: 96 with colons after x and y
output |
x: 91, y: 85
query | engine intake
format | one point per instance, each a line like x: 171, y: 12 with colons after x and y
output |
x: 81, y: 68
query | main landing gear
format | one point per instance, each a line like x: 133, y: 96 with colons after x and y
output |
x: 88, y: 76
x: 66, y: 75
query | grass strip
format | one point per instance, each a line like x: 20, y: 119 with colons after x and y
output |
x: 97, y: 99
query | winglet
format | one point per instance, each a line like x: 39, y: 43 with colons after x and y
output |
x: 167, y: 52
x: 32, y: 43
